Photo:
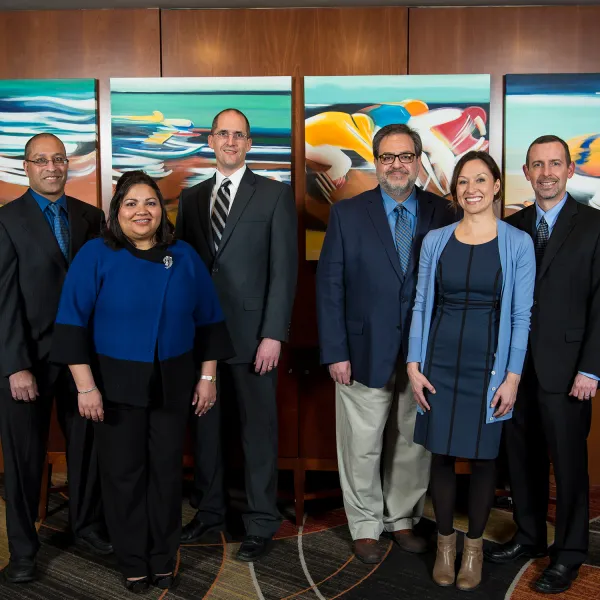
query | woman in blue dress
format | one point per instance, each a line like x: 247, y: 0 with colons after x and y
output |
x: 467, y: 345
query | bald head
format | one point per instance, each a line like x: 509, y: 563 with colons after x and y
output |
x: 40, y: 136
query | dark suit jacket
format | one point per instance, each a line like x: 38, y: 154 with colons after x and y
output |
x: 256, y: 267
x: 32, y: 271
x: 565, y: 318
x: 364, y: 303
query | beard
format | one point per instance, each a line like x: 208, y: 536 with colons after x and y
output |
x: 395, y: 190
x: 549, y: 194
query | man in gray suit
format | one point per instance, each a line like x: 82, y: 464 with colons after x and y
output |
x: 244, y: 227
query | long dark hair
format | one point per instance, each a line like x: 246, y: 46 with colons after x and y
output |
x: 113, y: 234
x: 468, y: 157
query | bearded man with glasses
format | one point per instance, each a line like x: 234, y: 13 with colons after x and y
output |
x: 40, y: 233
x: 366, y: 282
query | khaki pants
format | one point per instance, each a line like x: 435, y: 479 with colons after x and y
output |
x: 375, y: 499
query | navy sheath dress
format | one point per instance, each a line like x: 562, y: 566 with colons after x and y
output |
x: 460, y: 354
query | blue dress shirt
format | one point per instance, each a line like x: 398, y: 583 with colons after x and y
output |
x: 550, y: 216
x: 389, y: 205
x: 44, y: 203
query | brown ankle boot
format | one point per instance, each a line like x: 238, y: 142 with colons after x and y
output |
x: 469, y: 576
x: 443, y: 570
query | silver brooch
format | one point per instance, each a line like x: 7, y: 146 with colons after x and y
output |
x: 168, y: 260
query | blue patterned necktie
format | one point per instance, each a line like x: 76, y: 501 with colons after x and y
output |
x: 403, y: 236
x: 541, y: 241
x: 60, y: 229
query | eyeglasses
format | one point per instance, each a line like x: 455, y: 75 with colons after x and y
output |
x: 404, y: 157
x: 238, y: 136
x: 42, y: 162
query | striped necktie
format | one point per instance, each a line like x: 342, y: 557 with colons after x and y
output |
x: 60, y: 229
x: 541, y: 241
x: 403, y: 236
x: 220, y: 212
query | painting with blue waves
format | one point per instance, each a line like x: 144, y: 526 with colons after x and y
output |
x: 161, y: 125
x: 65, y: 107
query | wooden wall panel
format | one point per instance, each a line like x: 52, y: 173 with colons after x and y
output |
x: 508, y: 40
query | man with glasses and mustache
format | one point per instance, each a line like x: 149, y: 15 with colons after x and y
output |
x: 244, y: 227
x: 366, y: 282
x: 40, y: 233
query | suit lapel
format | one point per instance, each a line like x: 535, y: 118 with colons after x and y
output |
x: 562, y: 228
x: 425, y: 212
x: 203, y: 205
x: 382, y: 227
x: 79, y: 226
x: 35, y: 224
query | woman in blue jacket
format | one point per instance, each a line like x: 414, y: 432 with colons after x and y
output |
x: 467, y: 345
x: 138, y: 320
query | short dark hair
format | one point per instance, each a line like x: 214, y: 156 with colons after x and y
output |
x: 549, y: 139
x: 468, y: 157
x: 395, y: 129
x: 113, y: 234
x: 234, y: 110
x: 36, y: 137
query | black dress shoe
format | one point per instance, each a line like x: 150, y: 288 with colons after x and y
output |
x: 252, y: 548
x: 195, y: 530
x: 511, y: 551
x: 165, y: 582
x: 556, y: 579
x: 96, y: 543
x: 138, y: 586
x: 20, y: 570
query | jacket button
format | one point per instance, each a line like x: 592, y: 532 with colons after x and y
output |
x: 535, y: 302
x: 215, y: 269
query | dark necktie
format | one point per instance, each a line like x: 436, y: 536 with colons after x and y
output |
x: 220, y: 212
x: 541, y: 241
x: 60, y: 229
x: 403, y: 236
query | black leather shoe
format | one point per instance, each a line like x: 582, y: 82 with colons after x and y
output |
x: 165, y: 582
x: 556, y: 579
x: 252, y: 548
x: 20, y: 570
x: 138, y: 586
x: 195, y: 530
x: 511, y: 551
x: 96, y: 543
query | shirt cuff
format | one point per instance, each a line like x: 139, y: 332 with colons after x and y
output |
x: 589, y: 375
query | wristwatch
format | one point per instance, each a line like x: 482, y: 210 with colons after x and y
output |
x: 211, y: 378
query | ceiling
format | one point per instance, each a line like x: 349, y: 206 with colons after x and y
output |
x: 78, y: 4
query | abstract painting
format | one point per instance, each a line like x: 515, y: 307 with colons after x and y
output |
x: 161, y: 126
x: 342, y: 114
x: 64, y: 107
x: 566, y: 105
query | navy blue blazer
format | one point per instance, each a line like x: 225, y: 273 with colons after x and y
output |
x: 364, y: 303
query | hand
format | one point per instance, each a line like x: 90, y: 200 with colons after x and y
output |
x: 506, y: 395
x: 418, y: 382
x: 90, y: 406
x: 341, y: 372
x: 267, y: 356
x: 23, y: 386
x: 583, y: 387
x: 205, y: 396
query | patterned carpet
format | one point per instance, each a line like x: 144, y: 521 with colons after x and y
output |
x: 314, y: 561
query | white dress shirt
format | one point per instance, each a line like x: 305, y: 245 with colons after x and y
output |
x: 235, y: 179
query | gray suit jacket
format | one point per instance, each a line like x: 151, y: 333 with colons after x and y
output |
x: 255, y: 269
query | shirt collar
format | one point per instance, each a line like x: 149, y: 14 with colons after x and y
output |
x: 235, y: 178
x: 390, y: 204
x: 43, y: 202
x: 550, y: 215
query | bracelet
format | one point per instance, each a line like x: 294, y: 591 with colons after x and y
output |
x: 211, y: 378
x: 87, y: 391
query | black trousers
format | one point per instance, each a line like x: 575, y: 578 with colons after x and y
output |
x: 256, y: 400
x: 544, y: 427
x: 24, y: 427
x: 141, y: 462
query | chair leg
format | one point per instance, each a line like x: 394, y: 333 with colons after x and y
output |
x: 44, y: 491
x: 299, y: 488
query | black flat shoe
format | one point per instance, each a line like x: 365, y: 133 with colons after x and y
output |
x: 138, y: 586
x: 20, y: 570
x: 195, y: 530
x: 252, y: 548
x: 96, y: 543
x: 165, y: 582
x: 511, y: 551
x: 556, y: 579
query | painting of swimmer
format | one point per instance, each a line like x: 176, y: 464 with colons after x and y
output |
x: 161, y: 125
x: 567, y: 105
x: 342, y: 114
x: 64, y: 107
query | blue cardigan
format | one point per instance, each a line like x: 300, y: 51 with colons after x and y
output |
x: 517, y: 257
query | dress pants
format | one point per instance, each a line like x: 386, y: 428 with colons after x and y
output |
x: 24, y: 427
x: 141, y: 466
x: 374, y: 425
x: 547, y: 426
x: 256, y: 399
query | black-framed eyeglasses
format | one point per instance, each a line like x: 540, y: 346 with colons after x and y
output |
x: 42, y: 162
x: 387, y: 158
x: 238, y: 136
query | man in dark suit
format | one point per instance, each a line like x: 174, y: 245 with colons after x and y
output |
x: 244, y: 228
x: 552, y: 414
x: 40, y: 233
x: 366, y: 282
